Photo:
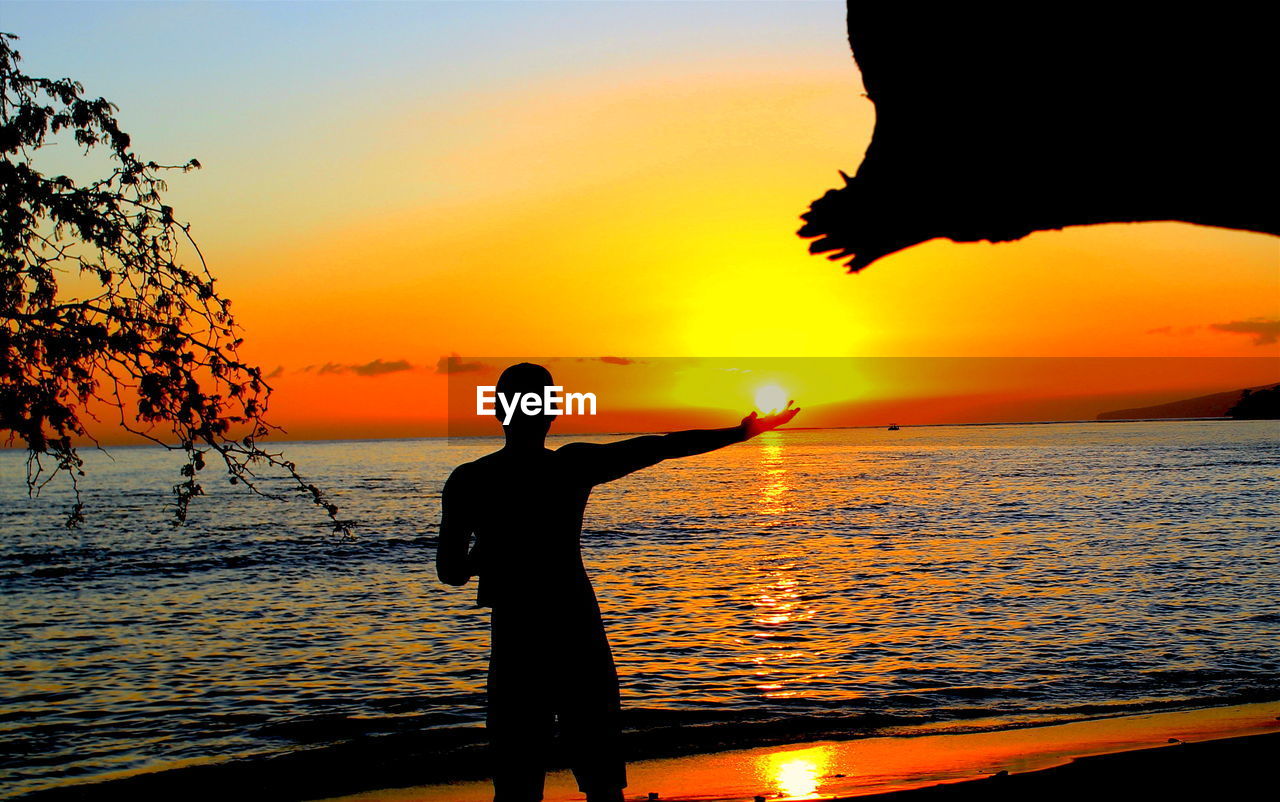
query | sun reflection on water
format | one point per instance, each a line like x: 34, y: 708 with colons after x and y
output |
x: 795, y: 775
x: 773, y: 473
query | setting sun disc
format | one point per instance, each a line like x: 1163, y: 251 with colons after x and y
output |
x: 771, y: 398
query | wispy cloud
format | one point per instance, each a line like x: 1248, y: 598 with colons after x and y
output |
x: 375, y: 368
x: 379, y: 368
x: 608, y: 360
x: 455, y: 364
x: 1263, y: 331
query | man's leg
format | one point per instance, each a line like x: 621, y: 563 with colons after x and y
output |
x: 594, y: 750
x: 519, y: 756
x: 590, y: 716
x: 520, y: 718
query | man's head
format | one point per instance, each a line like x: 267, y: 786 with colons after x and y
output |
x: 517, y: 380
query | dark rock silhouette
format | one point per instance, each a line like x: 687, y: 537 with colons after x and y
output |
x: 1259, y: 404
x: 1253, y: 402
x: 993, y: 123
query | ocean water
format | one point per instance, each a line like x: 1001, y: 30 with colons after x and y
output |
x: 806, y: 584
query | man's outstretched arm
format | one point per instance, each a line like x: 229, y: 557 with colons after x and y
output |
x: 452, y: 563
x: 605, y: 462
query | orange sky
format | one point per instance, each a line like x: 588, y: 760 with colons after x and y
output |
x: 642, y: 206
x: 653, y: 214
x: 664, y: 393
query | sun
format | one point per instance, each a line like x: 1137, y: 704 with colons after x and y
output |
x: 770, y: 398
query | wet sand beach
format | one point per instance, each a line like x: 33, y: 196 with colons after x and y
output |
x: 1215, y: 753
x: 1180, y: 755
x: 1232, y: 768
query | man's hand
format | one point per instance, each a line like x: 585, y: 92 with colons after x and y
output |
x: 753, y: 424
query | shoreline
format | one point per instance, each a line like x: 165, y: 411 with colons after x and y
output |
x: 404, y: 767
x: 1035, y: 761
x: 906, y: 765
x: 1224, y: 768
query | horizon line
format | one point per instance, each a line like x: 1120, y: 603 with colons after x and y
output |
x: 357, y: 439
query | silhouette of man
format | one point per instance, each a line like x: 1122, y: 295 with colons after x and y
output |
x: 550, y: 664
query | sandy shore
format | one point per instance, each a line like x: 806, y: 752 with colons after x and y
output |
x: 1161, y: 755
x: 1230, y: 768
x: 1197, y: 754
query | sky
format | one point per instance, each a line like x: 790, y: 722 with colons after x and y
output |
x: 386, y: 184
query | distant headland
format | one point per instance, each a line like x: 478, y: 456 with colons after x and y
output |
x: 1252, y: 403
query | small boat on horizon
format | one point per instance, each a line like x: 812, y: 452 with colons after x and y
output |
x: 893, y: 427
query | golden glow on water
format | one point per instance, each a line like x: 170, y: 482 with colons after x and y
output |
x: 773, y: 475
x: 779, y: 602
x: 797, y: 774
x: 802, y: 573
x: 797, y: 778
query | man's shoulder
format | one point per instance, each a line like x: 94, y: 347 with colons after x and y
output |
x: 570, y: 449
x: 467, y: 470
x: 574, y: 453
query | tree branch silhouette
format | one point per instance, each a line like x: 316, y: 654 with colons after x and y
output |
x: 147, y: 333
